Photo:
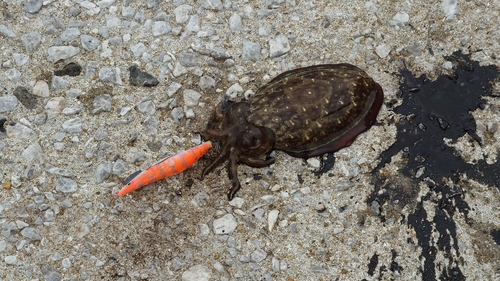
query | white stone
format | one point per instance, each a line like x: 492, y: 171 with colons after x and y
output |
x: 197, y: 273
x: 225, y: 225
x: 41, y: 89
x: 272, y: 218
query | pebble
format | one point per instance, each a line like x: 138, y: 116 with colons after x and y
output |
x: 18, y: 130
x: 250, y: 51
x: 50, y: 274
x: 7, y: 32
x: 192, y: 26
x: 190, y: 97
x: 33, y: 6
x: 8, y: 103
x: 58, y: 83
x: 401, y: 17
x: 33, y: 154
x: 450, y: 8
x: 159, y: 28
x: 26, y: 98
x: 182, y: 13
x: 20, y: 59
x: 237, y: 202
x: 12, y: 260
x: 55, y: 105
x: 103, y: 171
x: 73, y: 125
x: 147, y: 107
x: 258, y: 255
x: 383, y: 50
x: 278, y: 46
x: 31, y: 234
x: 197, y: 273
x: 235, y: 22
x: 70, y: 34
x: 61, y: 53
x: 206, y: 82
x: 65, y: 185
x: 225, y: 225
x: 31, y: 41
x: 211, y: 4
x: 89, y: 43
x: 173, y: 88
x: 138, y: 49
x: 110, y: 74
x: 13, y: 74
x: 61, y: 172
x: 70, y: 69
x: 234, y: 91
x: 179, y: 70
x: 141, y: 78
x: 188, y: 59
x: 314, y: 163
x: 272, y: 218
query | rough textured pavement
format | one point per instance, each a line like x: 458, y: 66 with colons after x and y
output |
x: 92, y: 91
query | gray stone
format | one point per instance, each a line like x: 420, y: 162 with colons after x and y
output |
x: 112, y: 21
x: 234, y: 91
x: 7, y: 32
x: 119, y: 167
x: 58, y: 83
x: 225, y: 225
x: 33, y: 6
x: 116, y: 40
x: 66, y: 185
x: 20, y: 59
x: 141, y: 78
x: 8, y: 103
x: 211, y: 4
x: 193, y: 25
x: 31, y: 41
x: 89, y: 43
x: 140, y: 17
x: 383, y: 50
x: 189, y: 59
x: 173, y: 88
x: 61, y: 53
x: 128, y: 12
x: 13, y: 74
x: 18, y: 130
x: 218, y: 53
x: 73, y: 125
x: 160, y: 28
x: 31, y: 234
x: 26, y: 98
x: 278, y: 46
x: 147, y: 107
x: 61, y: 172
x: 110, y: 74
x: 179, y: 70
x: 103, y: 171
x: 182, y: 13
x: 258, y: 255
x: 101, y: 103
x: 235, y: 22
x: 206, y: 82
x: 138, y: 49
x: 177, y: 113
x: 70, y: 34
x: 12, y: 260
x: 33, y: 154
x: 150, y: 125
x: 191, y: 97
x: 197, y: 273
x: 250, y: 51
x: 50, y: 274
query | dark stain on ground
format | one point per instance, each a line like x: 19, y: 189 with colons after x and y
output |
x: 431, y: 111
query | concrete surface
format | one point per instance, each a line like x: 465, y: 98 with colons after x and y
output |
x: 68, y: 143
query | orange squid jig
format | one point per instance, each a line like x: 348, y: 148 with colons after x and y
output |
x: 164, y: 168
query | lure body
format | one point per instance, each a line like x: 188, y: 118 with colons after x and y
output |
x: 165, y: 168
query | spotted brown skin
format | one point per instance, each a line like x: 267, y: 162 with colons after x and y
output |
x: 304, y: 112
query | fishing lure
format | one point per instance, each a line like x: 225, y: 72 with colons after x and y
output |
x: 164, y: 168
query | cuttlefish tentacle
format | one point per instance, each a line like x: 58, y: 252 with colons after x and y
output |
x: 220, y: 158
x: 233, y: 174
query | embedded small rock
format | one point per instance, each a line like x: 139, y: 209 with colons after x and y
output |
x: 26, y: 98
x: 31, y: 234
x: 278, y: 46
x: 225, y: 225
x: 197, y: 273
x: 31, y: 41
x: 70, y: 69
x: 8, y: 103
x: 89, y: 43
x: 61, y: 53
x: 110, y: 74
x: 66, y: 185
x: 141, y: 78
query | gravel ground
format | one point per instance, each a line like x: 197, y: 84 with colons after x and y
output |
x: 91, y: 91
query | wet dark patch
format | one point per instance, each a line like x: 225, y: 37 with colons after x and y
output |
x: 431, y: 111
x: 326, y: 165
x: 2, y: 122
x: 70, y: 69
x: 26, y: 98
